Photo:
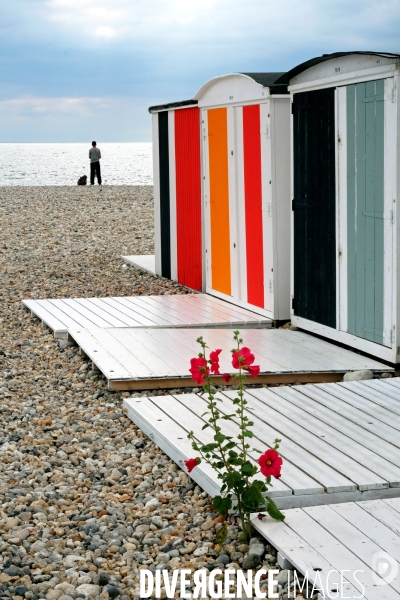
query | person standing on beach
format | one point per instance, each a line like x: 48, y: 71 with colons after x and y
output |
x: 95, y: 155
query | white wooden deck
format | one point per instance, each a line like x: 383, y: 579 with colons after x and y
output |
x: 189, y: 310
x: 361, y: 540
x: 340, y: 442
x: 151, y: 358
x: 145, y: 262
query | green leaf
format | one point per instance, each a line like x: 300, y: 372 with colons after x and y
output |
x: 229, y: 445
x: 248, y: 434
x: 248, y: 468
x: 228, y: 417
x: 261, y: 485
x: 252, y: 498
x: 209, y: 447
x: 274, y: 511
x: 233, y: 478
x: 236, y: 401
x: 222, y: 534
x: 222, y: 505
x: 220, y: 437
x: 205, y: 426
x: 232, y: 453
x: 235, y: 461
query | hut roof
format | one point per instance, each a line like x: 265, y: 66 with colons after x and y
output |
x: 285, y: 78
x: 264, y: 79
x: 159, y: 107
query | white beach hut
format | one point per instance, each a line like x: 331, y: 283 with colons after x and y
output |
x: 345, y: 189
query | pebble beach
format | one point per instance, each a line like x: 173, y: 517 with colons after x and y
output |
x: 86, y: 499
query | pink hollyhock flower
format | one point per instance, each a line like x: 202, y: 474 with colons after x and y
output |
x: 242, y: 357
x: 254, y: 370
x: 214, y: 358
x: 198, y: 369
x: 270, y: 464
x: 190, y: 464
x: 227, y: 377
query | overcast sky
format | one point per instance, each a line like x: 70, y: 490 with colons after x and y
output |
x: 74, y: 70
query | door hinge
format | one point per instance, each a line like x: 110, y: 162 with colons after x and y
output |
x: 293, y: 304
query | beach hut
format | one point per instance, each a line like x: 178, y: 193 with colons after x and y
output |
x: 233, y: 201
x: 345, y: 178
x: 245, y: 137
x: 177, y: 192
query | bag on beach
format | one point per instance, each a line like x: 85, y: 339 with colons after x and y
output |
x: 82, y: 180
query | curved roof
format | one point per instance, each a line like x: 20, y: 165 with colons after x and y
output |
x: 264, y: 79
x: 285, y: 78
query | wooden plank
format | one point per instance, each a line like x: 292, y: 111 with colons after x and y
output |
x: 379, y: 385
x: 83, y: 311
x: 133, y: 363
x: 162, y: 344
x: 303, y: 556
x: 75, y: 316
x: 191, y: 422
x: 46, y: 317
x: 141, y: 314
x: 95, y: 306
x: 346, y: 444
x: 293, y: 477
x: 331, y: 400
x: 154, y: 311
x: 365, y: 405
x: 327, y: 350
x: 137, y: 343
x: 377, y: 396
x: 361, y: 516
x: 128, y: 311
x: 162, y: 383
x: 146, y: 262
x: 339, y: 423
x: 354, y: 545
x: 394, y: 503
x: 179, y: 307
x: 231, y: 312
x: 54, y: 309
x: 349, y: 468
x: 395, y: 381
x: 109, y: 308
x: 171, y: 438
x: 324, y: 474
x: 238, y: 311
x: 98, y: 354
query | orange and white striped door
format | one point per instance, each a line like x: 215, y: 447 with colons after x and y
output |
x: 238, y: 209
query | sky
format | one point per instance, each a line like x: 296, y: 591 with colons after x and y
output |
x: 77, y: 70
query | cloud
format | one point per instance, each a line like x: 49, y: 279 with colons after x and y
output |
x: 73, y: 60
x: 107, y: 32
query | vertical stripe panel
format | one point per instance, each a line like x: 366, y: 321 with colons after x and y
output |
x: 253, y: 205
x: 365, y: 194
x: 163, y: 149
x: 188, y: 197
x: 219, y: 200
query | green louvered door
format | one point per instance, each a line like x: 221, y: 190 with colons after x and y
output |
x: 365, y: 209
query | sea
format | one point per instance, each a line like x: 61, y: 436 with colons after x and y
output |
x: 63, y: 164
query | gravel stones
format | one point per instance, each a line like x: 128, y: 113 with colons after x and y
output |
x: 76, y: 472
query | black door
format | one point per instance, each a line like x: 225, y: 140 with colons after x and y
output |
x: 314, y: 206
x: 165, y: 217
